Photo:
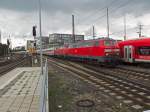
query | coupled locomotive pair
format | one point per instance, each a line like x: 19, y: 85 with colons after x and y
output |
x: 106, y: 51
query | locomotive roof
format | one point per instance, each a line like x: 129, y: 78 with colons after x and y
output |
x: 136, y: 42
x: 104, y: 38
x: 86, y: 42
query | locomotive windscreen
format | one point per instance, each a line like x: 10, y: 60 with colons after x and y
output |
x: 110, y: 42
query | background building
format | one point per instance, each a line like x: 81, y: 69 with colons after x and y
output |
x: 19, y: 48
x: 3, y: 49
x: 57, y: 39
x: 53, y: 41
x: 30, y: 44
x: 45, y: 42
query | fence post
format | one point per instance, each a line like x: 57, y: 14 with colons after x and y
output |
x: 44, y: 107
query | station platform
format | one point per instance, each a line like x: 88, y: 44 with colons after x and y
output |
x: 20, y: 90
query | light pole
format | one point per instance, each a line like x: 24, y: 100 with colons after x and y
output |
x: 0, y: 36
x: 107, y: 23
x: 40, y: 25
x: 73, y: 29
x: 125, y: 28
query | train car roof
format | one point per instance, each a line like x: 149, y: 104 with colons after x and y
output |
x: 136, y: 42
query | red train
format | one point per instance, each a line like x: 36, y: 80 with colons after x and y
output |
x: 103, y: 50
x: 106, y: 50
x: 135, y: 51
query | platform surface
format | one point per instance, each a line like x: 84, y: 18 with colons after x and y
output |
x: 20, y: 90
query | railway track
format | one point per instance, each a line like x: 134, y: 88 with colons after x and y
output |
x: 6, y: 68
x: 135, y: 74
x: 123, y: 74
x: 132, y: 74
x: 128, y: 91
x: 8, y: 61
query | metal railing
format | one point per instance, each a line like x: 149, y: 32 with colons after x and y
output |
x: 44, y: 105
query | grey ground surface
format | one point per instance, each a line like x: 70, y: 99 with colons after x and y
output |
x: 65, y: 90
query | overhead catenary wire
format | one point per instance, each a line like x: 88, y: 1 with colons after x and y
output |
x: 84, y: 22
x: 121, y: 32
x: 93, y: 13
x: 86, y: 18
x: 97, y: 11
x: 68, y: 24
x: 113, y: 11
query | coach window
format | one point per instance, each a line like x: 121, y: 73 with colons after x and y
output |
x: 126, y: 55
x: 144, y: 51
x: 130, y: 55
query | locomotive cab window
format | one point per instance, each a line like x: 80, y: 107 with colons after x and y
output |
x: 144, y: 51
x: 109, y: 42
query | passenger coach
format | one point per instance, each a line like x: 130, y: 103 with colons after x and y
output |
x: 136, y: 50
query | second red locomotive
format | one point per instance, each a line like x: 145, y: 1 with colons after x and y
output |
x: 135, y: 51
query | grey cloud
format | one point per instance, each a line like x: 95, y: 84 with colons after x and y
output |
x: 79, y: 7
x: 59, y: 12
x: 19, y: 5
x: 68, y: 5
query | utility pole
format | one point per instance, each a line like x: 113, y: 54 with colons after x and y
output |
x: 107, y: 23
x: 140, y: 30
x: 0, y: 36
x: 73, y: 29
x: 40, y: 27
x: 125, y: 30
x: 93, y: 32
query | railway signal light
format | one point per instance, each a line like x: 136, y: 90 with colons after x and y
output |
x: 8, y: 42
x: 34, y: 31
x: 35, y: 44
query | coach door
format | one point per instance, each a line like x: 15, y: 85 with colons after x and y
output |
x: 128, y: 53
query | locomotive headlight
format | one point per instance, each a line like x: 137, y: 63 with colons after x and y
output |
x: 108, y: 50
x: 116, y: 50
x: 106, y: 54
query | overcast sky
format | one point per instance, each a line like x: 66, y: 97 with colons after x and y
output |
x: 18, y: 16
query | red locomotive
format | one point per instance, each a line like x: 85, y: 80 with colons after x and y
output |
x: 103, y: 50
x: 135, y: 51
